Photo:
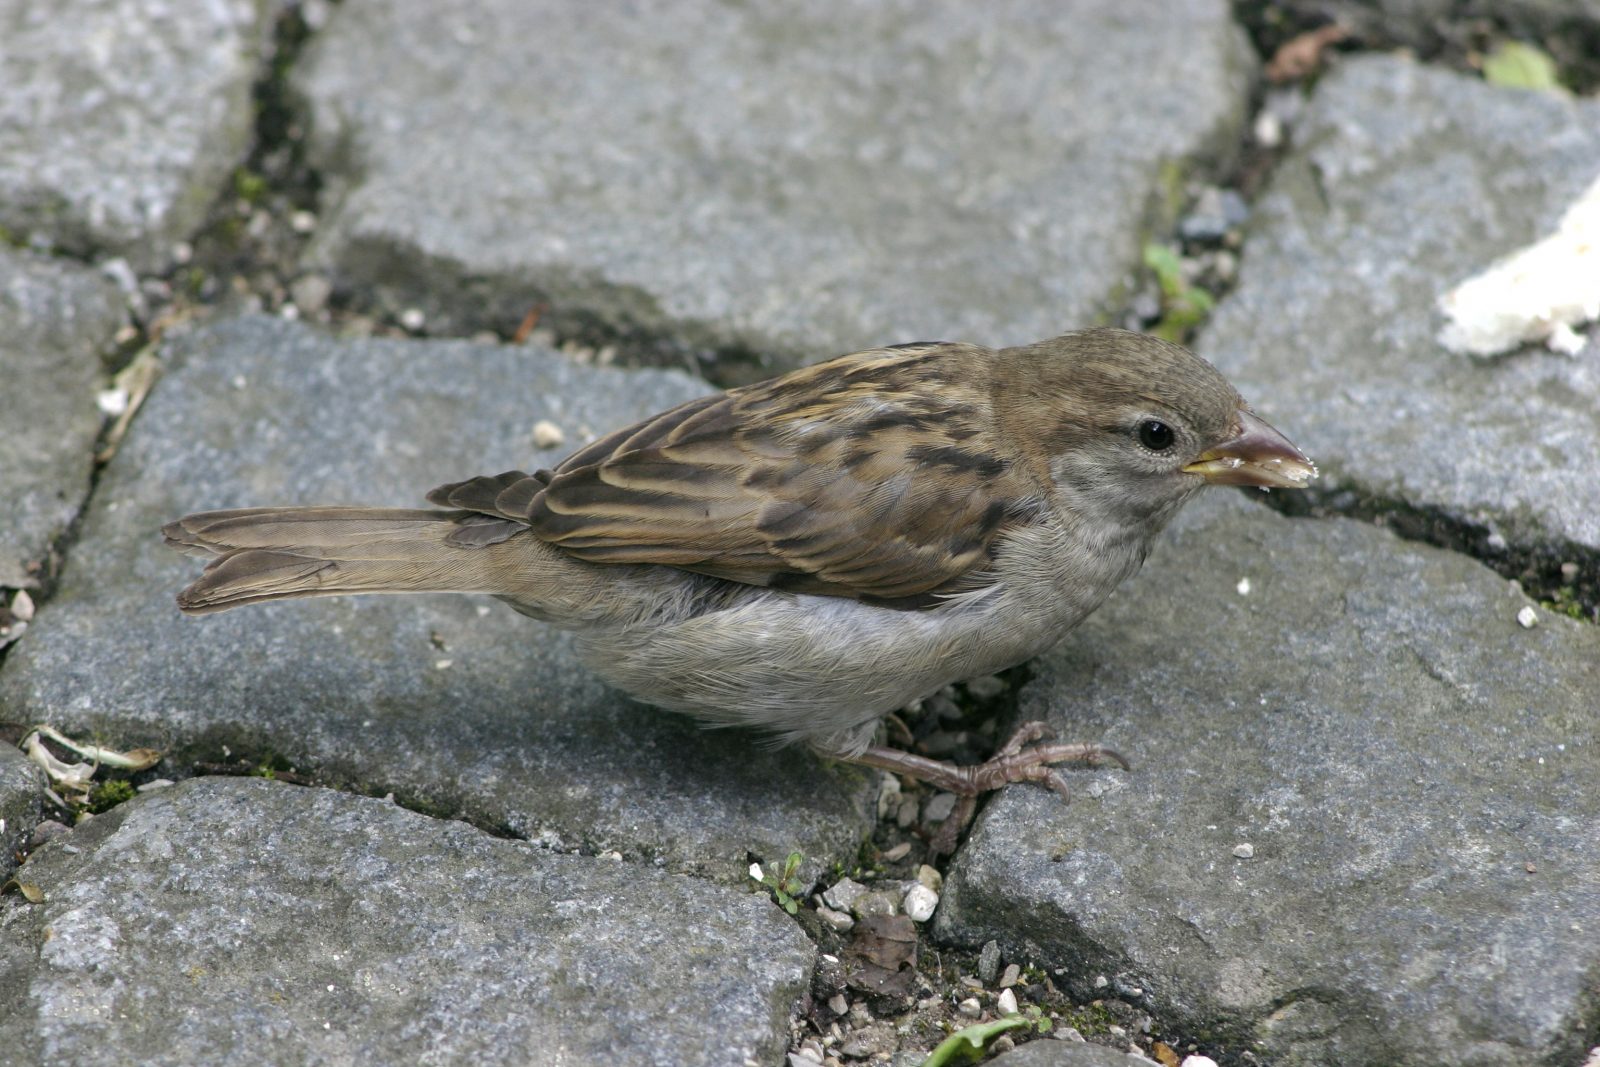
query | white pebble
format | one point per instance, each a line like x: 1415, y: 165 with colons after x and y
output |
x: 1527, y: 618
x: 547, y: 434
x: 1243, y: 587
x: 1268, y: 130
x: 1006, y: 1003
x: 1198, y: 1061
x: 413, y: 319
x: 112, y: 402
x: 970, y: 1008
x: 302, y: 222
x: 756, y: 873
x: 920, y: 903
x: 22, y: 605
x: 1244, y: 851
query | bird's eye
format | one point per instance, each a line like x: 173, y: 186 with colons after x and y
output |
x: 1155, y: 435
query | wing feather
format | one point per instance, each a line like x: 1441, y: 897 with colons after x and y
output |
x: 878, y: 475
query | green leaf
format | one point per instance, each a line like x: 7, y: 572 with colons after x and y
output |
x: 967, y: 1045
x: 1167, y: 266
x: 1516, y: 65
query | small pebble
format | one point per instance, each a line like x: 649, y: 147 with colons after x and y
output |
x: 1569, y: 571
x: 970, y: 1008
x: 1101, y: 981
x: 1198, y: 1061
x: 931, y: 878
x: 413, y: 319
x: 156, y: 783
x: 1268, y: 130
x: 112, y: 402
x: 838, y: 1005
x: 22, y: 605
x: 547, y: 434
x: 182, y: 252
x: 888, y: 797
x: 46, y: 830
x: 985, y: 686
x: 1243, y: 587
x: 838, y: 920
x: 989, y: 962
x: 1070, y: 1033
x: 1527, y: 618
x: 841, y: 895
x: 1012, y: 974
x: 875, y: 902
x: 310, y: 292
x: 1244, y: 851
x: 302, y: 222
x: 939, y: 808
x: 898, y: 852
x: 1006, y: 1003
x: 906, y: 816
x: 920, y: 903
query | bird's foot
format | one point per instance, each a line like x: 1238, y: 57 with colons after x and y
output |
x: 1018, y: 760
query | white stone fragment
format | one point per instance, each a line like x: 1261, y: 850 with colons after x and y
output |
x: 1527, y: 618
x: 1244, y: 851
x: 1531, y: 294
x: 1006, y: 1003
x: 920, y: 903
x: 547, y: 434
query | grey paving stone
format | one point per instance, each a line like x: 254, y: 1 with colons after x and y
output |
x: 1408, y: 181
x: 236, y: 919
x: 1412, y: 769
x: 122, y: 118
x: 797, y: 180
x: 21, y: 805
x: 456, y: 704
x: 56, y: 321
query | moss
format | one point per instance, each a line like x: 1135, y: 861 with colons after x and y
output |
x: 108, y: 795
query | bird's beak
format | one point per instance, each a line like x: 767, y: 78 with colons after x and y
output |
x: 1255, y: 455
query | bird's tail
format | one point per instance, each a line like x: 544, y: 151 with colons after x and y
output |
x: 261, y: 554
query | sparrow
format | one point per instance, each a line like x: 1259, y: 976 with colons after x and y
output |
x: 811, y: 553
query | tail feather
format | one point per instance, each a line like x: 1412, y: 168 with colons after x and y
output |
x: 261, y: 554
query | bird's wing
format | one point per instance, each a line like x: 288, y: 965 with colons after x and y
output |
x: 878, y: 476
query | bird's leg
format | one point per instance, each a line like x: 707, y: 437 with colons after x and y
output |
x: 1013, y: 761
x: 1018, y: 760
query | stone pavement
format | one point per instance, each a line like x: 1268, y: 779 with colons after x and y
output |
x: 1362, y: 825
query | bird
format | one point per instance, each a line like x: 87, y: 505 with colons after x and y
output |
x: 809, y: 554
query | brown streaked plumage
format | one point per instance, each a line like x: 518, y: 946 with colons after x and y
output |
x: 808, y: 554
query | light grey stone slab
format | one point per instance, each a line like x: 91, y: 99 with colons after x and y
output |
x: 1407, y: 181
x: 756, y: 180
x: 56, y: 321
x: 227, y: 920
x: 121, y: 119
x: 1361, y: 827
